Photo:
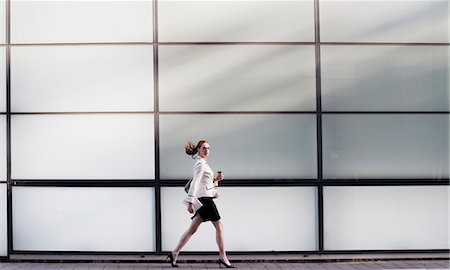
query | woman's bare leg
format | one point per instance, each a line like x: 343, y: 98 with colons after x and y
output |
x: 187, y: 235
x: 220, y: 242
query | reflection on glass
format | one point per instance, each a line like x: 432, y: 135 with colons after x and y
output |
x: 385, y: 21
x: 402, y: 146
x: 385, y: 218
x: 237, y: 78
x: 281, y: 146
x: 83, y: 219
x: 238, y: 21
x: 385, y: 78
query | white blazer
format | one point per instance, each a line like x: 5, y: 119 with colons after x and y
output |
x: 203, y: 184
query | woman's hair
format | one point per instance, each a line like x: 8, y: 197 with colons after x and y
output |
x: 192, y: 149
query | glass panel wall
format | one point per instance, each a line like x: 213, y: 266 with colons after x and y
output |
x: 2, y: 21
x: 82, y: 78
x: 237, y: 78
x: 385, y: 146
x: 386, y: 218
x: 79, y: 22
x: 3, y: 221
x: 303, y: 106
x: 384, y: 21
x: 3, y: 141
x: 2, y: 79
x: 290, y: 229
x: 83, y: 219
x: 100, y: 146
x: 231, y: 21
x: 3, y: 154
x: 242, y: 145
x: 385, y: 78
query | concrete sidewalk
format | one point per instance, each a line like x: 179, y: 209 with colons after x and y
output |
x: 362, y: 265
x: 419, y: 261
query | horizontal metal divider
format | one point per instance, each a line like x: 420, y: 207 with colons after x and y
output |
x: 312, y: 42
x: 224, y: 112
x: 229, y: 182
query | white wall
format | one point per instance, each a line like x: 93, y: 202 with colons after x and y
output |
x: 83, y: 108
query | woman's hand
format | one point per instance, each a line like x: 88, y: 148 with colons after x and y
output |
x: 190, y: 208
x: 220, y: 176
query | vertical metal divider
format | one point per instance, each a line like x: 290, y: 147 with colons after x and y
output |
x: 8, y: 131
x: 320, y: 216
x: 156, y: 129
x: 157, y: 186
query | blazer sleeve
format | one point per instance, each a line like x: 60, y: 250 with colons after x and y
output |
x: 195, y: 183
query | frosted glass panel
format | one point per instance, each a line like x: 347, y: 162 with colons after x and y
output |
x: 81, y: 21
x: 292, y: 229
x: 83, y: 219
x: 3, y: 222
x: 2, y: 79
x: 223, y: 21
x: 237, y: 78
x: 386, y: 146
x: 384, y: 21
x: 100, y: 146
x: 80, y: 78
x: 3, y: 148
x: 386, y: 218
x: 242, y: 145
x: 2, y: 21
x: 390, y: 78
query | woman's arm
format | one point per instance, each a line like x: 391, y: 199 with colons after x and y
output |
x: 196, y: 179
x: 219, y: 177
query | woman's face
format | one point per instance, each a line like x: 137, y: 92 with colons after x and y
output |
x: 203, y: 151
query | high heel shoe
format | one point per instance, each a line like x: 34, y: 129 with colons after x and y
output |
x: 170, y: 258
x: 220, y: 261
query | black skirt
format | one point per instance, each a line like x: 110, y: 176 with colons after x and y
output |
x: 208, y: 212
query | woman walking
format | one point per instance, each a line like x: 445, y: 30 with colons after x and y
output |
x: 202, y: 191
